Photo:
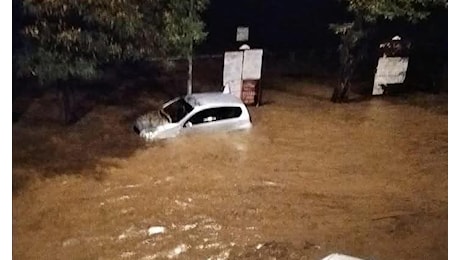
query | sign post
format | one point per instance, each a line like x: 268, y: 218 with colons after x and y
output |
x: 242, y: 73
x: 233, y: 69
x: 190, y: 57
x: 390, y: 70
x: 242, y: 70
x: 392, y: 66
x: 242, y: 34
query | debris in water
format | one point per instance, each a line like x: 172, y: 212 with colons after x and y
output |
x: 149, y: 257
x: 150, y: 241
x: 177, y: 251
x: 182, y: 204
x: 213, y: 245
x: 308, y: 245
x: 270, y: 183
x: 131, y: 232
x: 189, y: 226
x: 222, y: 256
x: 122, y: 198
x: 70, y: 242
x: 213, y: 226
x: 259, y: 246
x: 340, y: 257
x: 127, y: 254
x: 133, y: 186
x: 124, y: 211
x: 156, y: 230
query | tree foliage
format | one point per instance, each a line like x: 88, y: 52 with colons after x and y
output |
x: 411, y: 10
x: 72, y: 38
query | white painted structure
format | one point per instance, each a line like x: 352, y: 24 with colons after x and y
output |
x: 390, y: 70
x: 239, y: 66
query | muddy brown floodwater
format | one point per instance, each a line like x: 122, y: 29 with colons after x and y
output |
x: 311, y: 178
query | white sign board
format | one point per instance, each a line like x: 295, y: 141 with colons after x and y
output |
x: 233, y: 68
x: 390, y: 70
x: 242, y: 34
x: 252, y: 64
x: 340, y: 257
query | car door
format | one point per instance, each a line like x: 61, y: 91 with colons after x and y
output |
x: 213, y: 120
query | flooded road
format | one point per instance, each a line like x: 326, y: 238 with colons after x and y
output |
x: 310, y: 178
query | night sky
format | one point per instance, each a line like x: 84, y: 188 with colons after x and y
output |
x: 303, y: 24
x: 273, y: 24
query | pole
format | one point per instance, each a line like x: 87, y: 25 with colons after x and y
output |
x: 190, y: 73
x: 190, y: 60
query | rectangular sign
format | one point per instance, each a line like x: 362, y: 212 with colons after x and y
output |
x: 390, y: 70
x: 233, y: 68
x: 242, y: 34
x: 252, y: 65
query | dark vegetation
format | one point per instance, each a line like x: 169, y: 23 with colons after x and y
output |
x: 74, y: 48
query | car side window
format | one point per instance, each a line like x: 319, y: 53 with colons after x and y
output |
x: 214, y: 114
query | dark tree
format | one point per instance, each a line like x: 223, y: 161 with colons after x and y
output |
x: 72, y: 39
x: 366, y: 13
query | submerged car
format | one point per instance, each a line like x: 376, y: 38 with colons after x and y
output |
x: 203, y: 112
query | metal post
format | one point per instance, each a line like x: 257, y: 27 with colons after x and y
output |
x: 190, y: 60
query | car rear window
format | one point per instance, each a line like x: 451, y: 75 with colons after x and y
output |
x: 215, y: 114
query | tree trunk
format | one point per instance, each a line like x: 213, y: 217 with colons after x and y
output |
x: 342, y: 89
x: 346, y: 73
x: 345, y: 91
x: 65, y: 92
x: 341, y: 92
x: 190, y: 56
x: 349, y: 53
x: 337, y: 93
x: 190, y: 75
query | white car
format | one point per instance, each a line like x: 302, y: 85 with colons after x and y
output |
x: 203, y: 112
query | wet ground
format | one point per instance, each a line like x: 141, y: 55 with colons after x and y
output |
x: 367, y: 179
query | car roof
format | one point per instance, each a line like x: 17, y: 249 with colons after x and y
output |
x: 213, y: 99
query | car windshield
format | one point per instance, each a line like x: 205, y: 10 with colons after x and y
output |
x: 177, y: 110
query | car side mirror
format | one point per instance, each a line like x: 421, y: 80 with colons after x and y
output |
x: 188, y: 124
